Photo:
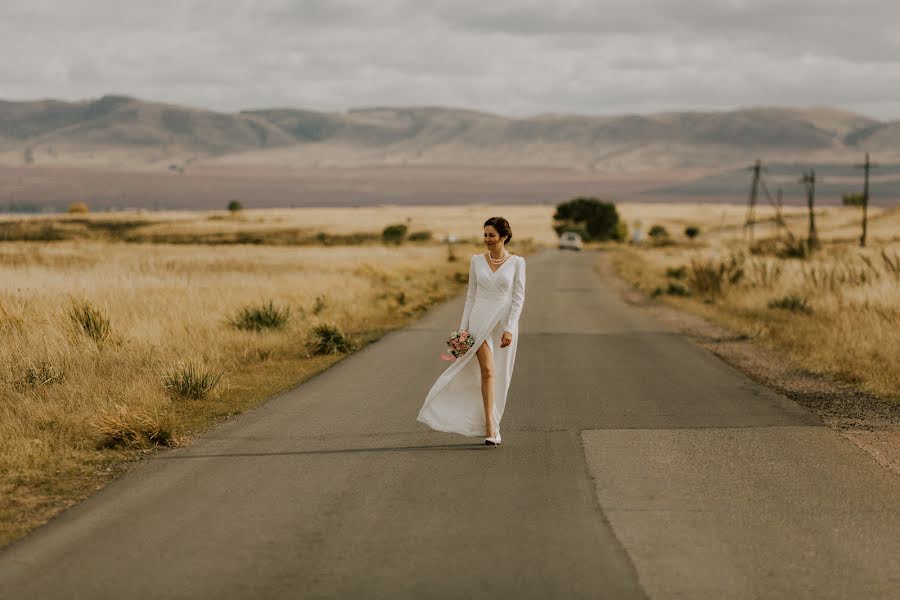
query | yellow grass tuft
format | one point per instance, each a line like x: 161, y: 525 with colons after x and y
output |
x: 122, y: 425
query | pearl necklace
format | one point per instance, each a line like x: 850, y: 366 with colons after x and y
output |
x: 498, y: 262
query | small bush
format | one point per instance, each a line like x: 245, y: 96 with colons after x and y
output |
x: 676, y: 289
x: 90, y: 320
x: 235, y: 205
x: 712, y: 278
x: 258, y: 318
x: 124, y: 427
x: 394, y: 234
x: 328, y: 339
x: 673, y: 289
x: 190, y: 381
x: 658, y: 231
x: 676, y: 272
x: 853, y: 199
x: 691, y: 231
x: 78, y: 208
x: 791, y: 302
x: 419, y: 236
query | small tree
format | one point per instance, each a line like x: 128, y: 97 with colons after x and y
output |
x: 658, y: 232
x: 78, y: 208
x: 855, y: 199
x: 691, y: 231
x: 394, y: 234
x: 235, y: 205
x: 597, y: 218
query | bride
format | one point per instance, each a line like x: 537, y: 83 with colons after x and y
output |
x: 494, y: 301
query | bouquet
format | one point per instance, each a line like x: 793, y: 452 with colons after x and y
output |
x: 459, y: 343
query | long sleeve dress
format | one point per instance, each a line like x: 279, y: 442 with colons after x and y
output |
x: 494, y: 302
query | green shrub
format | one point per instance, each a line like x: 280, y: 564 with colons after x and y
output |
x: 658, y: 231
x: 676, y: 272
x: 691, y: 231
x: 328, y: 339
x: 235, y: 206
x: 673, y: 289
x: 591, y: 218
x: 265, y: 316
x: 90, y: 320
x: 676, y: 289
x: 190, y: 381
x: 791, y: 302
x: 394, y: 234
x: 853, y: 199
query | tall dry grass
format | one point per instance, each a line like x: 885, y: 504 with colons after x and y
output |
x: 112, y: 349
x: 836, y: 312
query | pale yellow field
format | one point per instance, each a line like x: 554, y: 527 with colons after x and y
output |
x: 529, y: 222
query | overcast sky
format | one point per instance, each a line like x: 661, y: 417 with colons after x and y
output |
x: 513, y: 57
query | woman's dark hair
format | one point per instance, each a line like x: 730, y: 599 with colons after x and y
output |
x: 502, y: 227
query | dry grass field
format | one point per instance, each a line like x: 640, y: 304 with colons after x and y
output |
x: 124, y: 333
x: 835, y: 312
x: 112, y: 349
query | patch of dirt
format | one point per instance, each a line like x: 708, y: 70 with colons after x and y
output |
x: 870, y: 422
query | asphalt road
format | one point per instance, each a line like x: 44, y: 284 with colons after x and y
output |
x: 634, y: 464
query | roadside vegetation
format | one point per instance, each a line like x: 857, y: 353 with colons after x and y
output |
x: 833, y: 310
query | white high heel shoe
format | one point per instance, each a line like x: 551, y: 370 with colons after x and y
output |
x: 493, y: 440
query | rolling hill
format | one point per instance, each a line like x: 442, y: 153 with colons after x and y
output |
x: 119, y: 131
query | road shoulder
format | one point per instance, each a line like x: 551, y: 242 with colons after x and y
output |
x: 871, y: 423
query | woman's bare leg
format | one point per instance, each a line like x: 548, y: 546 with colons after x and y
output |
x: 486, y: 362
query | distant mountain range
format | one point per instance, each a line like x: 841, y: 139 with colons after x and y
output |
x: 124, y: 132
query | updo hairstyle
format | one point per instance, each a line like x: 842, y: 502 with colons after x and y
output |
x: 502, y: 227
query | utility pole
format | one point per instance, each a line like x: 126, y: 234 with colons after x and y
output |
x: 865, y: 200
x: 779, y: 218
x: 809, y: 180
x: 751, y: 202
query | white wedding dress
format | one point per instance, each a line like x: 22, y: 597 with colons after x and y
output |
x: 494, y: 303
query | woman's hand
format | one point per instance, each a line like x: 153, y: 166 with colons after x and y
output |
x: 505, y: 339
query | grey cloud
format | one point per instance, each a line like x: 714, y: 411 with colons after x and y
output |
x: 518, y: 58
